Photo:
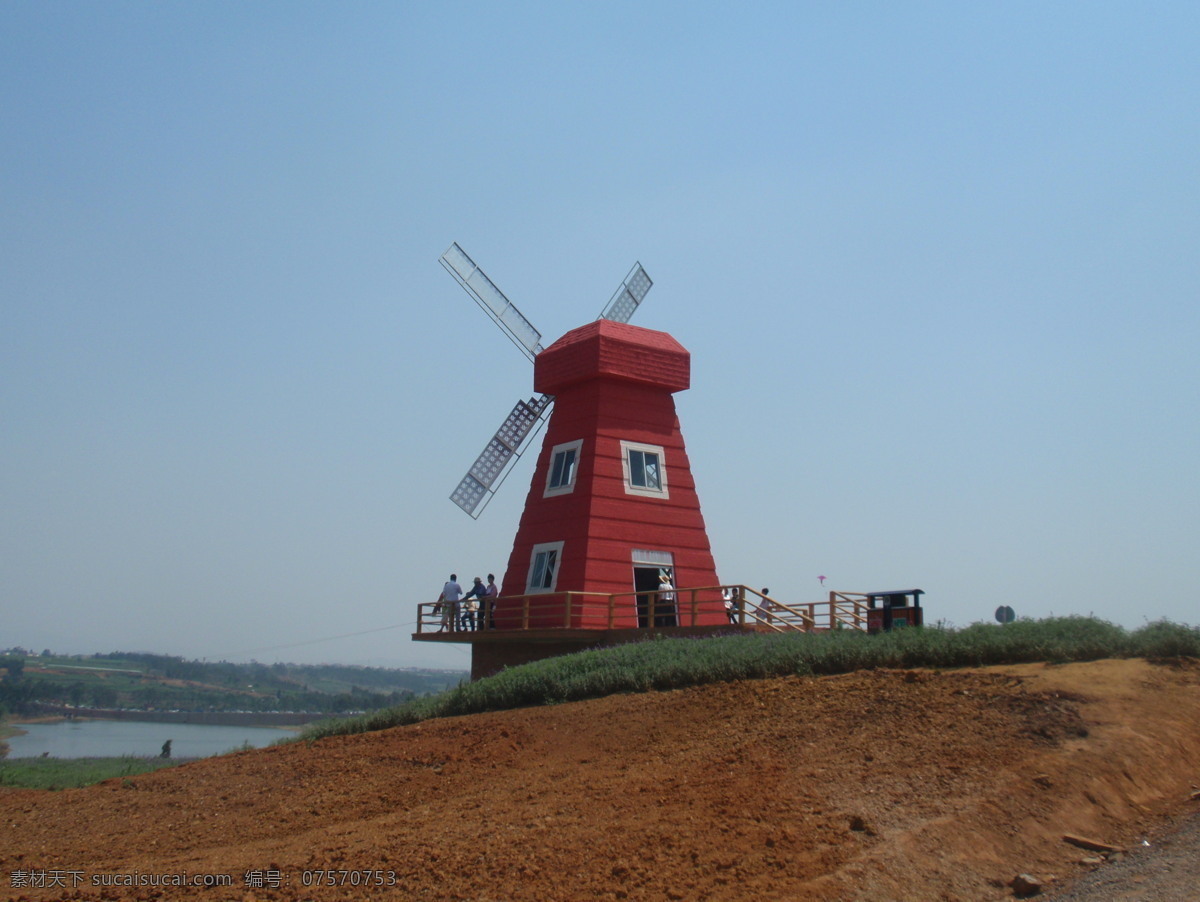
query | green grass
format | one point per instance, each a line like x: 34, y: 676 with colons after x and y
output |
x: 71, y: 773
x: 675, y: 663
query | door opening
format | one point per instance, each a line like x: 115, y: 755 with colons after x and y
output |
x: 654, y: 604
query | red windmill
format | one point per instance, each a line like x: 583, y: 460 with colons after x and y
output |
x: 611, y: 538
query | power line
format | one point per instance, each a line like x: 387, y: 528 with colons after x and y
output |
x: 254, y: 651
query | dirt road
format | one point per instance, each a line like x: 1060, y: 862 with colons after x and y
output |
x: 1166, y: 869
x: 876, y: 786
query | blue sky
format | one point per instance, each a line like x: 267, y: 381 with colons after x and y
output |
x: 935, y: 263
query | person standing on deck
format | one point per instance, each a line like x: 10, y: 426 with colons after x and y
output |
x: 451, y: 593
x: 487, y: 611
x: 475, y: 600
x: 667, y: 614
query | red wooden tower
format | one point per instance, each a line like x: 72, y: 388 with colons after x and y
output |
x: 612, y: 506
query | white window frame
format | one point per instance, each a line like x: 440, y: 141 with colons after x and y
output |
x: 544, y: 548
x: 630, y: 488
x: 567, y: 487
x: 644, y: 557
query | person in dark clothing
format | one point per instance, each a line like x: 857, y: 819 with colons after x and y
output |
x: 475, y: 598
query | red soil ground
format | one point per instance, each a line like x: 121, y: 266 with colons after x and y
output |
x: 916, y: 785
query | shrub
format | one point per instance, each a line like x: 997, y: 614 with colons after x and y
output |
x: 1166, y: 640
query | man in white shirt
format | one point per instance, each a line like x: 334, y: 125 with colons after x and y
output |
x: 667, y: 615
x: 448, y: 601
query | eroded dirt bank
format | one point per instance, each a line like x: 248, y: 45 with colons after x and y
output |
x: 882, y: 785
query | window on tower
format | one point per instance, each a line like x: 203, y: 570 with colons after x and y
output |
x: 644, y: 469
x: 543, y: 567
x: 564, y: 463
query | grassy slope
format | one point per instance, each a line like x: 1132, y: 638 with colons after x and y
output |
x: 674, y: 663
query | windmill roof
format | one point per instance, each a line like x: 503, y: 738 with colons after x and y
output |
x: 609, y: 349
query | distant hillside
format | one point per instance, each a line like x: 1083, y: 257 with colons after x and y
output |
x: 141, y: 681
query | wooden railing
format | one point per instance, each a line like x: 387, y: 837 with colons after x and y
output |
x: 749, y: 606
x: 847, y: 610
x: 733, y: 605
x: 843, y: 611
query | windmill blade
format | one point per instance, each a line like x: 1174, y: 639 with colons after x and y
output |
x: 626, y: 299
x: 485, y: 293
x: 500, y: 454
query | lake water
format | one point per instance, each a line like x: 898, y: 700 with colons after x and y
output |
x: 115, y: 738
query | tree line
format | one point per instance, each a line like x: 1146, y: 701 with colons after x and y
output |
x: 143, y: 681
